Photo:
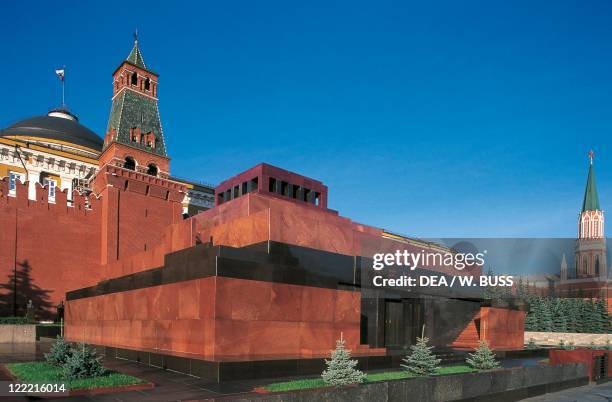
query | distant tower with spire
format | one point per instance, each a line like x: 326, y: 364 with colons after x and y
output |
x: 564, y: 268
x: 590, y: 251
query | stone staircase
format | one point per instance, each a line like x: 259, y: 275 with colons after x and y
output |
x: 450, y: 356
x: 360, y: 350
x: 469, y: 337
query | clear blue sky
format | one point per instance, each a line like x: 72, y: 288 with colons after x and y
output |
x: 439, y: 120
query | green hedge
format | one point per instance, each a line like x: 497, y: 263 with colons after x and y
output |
x: 15, y: 321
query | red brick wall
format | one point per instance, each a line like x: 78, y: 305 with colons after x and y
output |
x: 57, y: 247
x: 175, y: 237
x: 587, y: 288
x: 137, y: 209
x: 61, y: 248
x: 118, y: 152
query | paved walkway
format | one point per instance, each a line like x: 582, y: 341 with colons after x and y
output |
x: 169, y: 386
x: 588, y: 393
x: 172, y: 386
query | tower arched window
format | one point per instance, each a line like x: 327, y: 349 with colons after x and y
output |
x: 152, y: 169
x: 134, y: 79
x: 147, y: 84
x: 597, y: 265
x: 584, y: 266
x: 129, y: 163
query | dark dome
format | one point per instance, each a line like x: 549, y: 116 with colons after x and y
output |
x: 59, y: 125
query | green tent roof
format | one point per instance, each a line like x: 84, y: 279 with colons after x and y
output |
x: 135, y: 57
x: 591, y: 199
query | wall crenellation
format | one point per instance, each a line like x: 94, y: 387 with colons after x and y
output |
x: 19, y: 197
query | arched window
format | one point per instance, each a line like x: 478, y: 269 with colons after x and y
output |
x: 152, y: 169
x: 597, y: 265
x: 134, y: 79
x: 147, y: 84
x: 129, y: 163
x: 584, y: 266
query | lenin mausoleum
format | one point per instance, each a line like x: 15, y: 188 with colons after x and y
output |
x: 254, y: 277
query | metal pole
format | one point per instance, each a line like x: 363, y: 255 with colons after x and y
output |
x: 27, y: 174
x: 63, y: 90
x: 15, y: 267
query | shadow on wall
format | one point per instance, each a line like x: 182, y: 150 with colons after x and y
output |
x: 451, y: 318
x: 18, y: 290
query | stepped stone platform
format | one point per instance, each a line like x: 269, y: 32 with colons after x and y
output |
x: 221, y: 369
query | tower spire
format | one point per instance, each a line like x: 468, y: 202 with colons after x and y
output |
x: 590, y: 255
x: 135, y: 56
x: 591, y: 198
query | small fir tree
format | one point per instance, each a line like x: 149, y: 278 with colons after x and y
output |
x: 582, y: 314
x: 421, y: 361
x: 531, y: 344
x: 546, y: 320
x: 506, y: 293
x: 559, y: 316
x: 572, y: 310
x: 59, y: 353
x: 483, y: 358
x: 588, y: 317
x: 532, y: 319
x: 602, y: 319
x: 521, y: 293
x: 341, y: 368
x: 83, y: 363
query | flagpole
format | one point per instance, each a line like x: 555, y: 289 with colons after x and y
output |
x: 63, y: 89
x: 61, y: 74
